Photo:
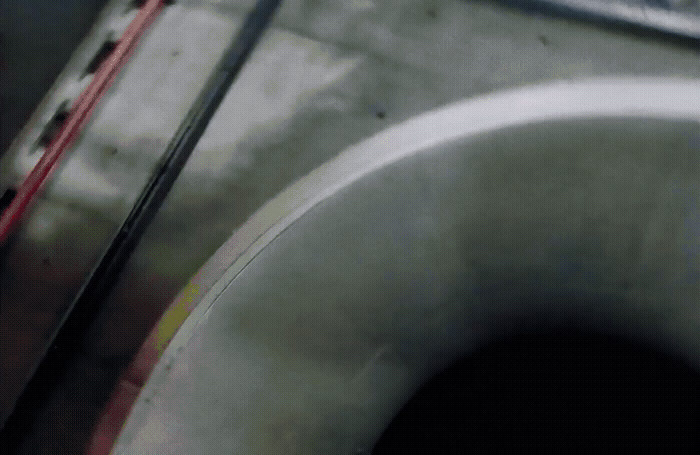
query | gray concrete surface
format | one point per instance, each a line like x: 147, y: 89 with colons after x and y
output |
x: 326, y: 75
x: 329, y: 74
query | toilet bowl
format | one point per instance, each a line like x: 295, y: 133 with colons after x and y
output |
x: 565, y: 206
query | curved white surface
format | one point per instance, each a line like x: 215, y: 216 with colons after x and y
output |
x: 164, y: 420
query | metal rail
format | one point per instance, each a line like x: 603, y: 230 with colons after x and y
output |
x: 660, y: 16
x: 78, y: 116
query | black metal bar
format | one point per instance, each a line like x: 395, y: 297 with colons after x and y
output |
x: 638, y: 17
x: 71, y: 330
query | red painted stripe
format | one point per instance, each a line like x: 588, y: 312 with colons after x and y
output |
x: 132, y: 380
x: 78, y: 116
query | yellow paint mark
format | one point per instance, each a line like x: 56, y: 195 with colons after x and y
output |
x: 174, y: 316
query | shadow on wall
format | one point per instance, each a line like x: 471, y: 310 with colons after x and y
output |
x: 37, y: 38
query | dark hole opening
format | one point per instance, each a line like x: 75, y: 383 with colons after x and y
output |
x: 6, y: 198
x: 101, y: 55
x: 140, y: 3
x: 54, y: 125
x: 582, y: 393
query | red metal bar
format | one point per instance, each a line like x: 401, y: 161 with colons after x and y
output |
x: 78, y: 116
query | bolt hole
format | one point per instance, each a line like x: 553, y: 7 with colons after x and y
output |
x: 101, y: 55
x: 135, y: 4
x: 53, y: 126
x: 7, y: 198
